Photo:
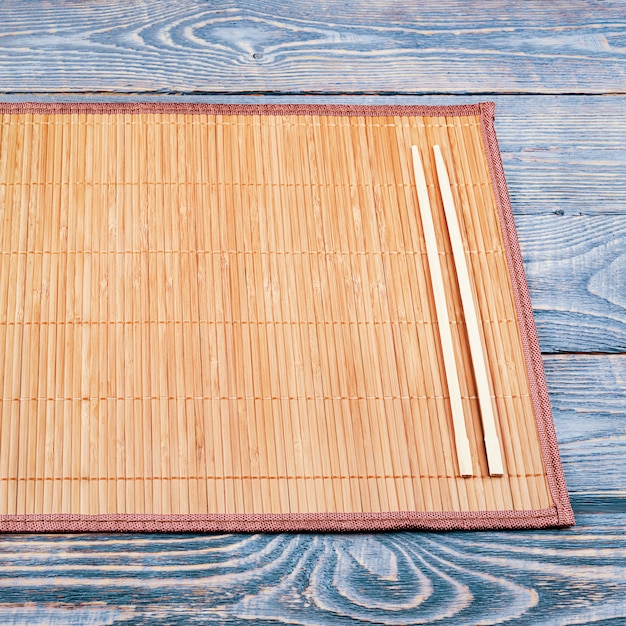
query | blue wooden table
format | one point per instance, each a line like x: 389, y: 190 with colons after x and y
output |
x: 557, y: 72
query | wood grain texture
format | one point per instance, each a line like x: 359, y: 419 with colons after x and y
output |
x: 576, y: 272
x: 311, y: 47
x: 588, y: 395
x: 565, y: 162
x: 563, y: 155
x: 549, y: 577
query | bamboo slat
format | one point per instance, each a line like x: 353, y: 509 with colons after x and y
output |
x: 236, y: 314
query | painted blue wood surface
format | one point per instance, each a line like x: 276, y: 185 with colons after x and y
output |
x: 565, y: 160
x: 574, y: 576
x: 588, y: 396
x: 449, y: 46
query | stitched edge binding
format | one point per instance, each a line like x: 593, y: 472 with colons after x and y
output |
x: 523, y: 305
x: 235, y: 109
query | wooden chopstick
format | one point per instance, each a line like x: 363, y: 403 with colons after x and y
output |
x: 443, y: 320
x: 492, y: 443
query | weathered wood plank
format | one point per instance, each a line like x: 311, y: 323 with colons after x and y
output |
x: 549, y: 577
x: 564, y: 155
x: 576, y: 272
x: 588, y: 395
x: 311, y: 47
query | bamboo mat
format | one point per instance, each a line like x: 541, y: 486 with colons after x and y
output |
x: 221, y: 318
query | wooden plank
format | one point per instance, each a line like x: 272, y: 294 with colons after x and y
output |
x: 389, y: 578
x: 576, y: 271
x: 565, y: 163
x: 563, y: 155
x: 588, y: 395
x: 178, y: 46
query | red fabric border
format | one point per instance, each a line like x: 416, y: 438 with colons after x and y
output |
x: 530, y: 340
x: 308, y: 522
x: 236, y: 109
x: 559, y: 515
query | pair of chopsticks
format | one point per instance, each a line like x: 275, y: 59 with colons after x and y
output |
x: 492, y: 444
